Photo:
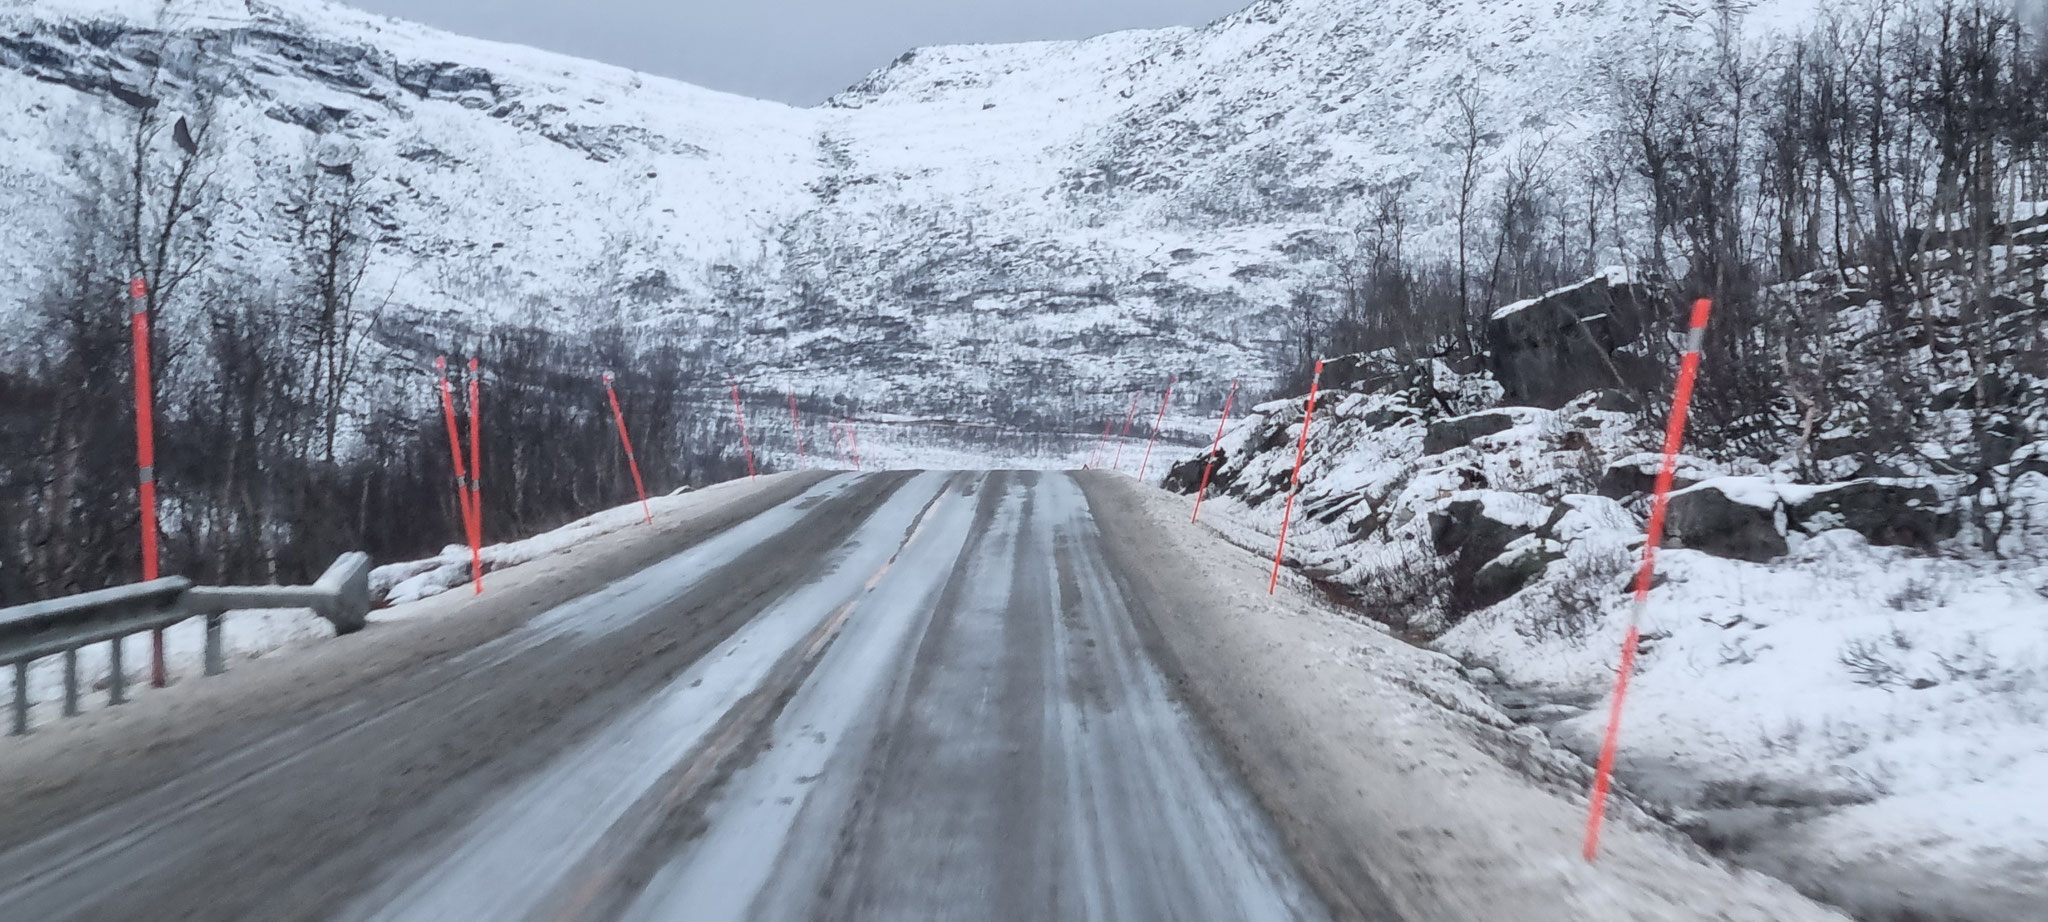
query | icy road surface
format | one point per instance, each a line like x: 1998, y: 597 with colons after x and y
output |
x: 894, y: 696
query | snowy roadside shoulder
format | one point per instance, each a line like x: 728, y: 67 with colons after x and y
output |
x: 396, y: 584
x: 1867, y: 722
x: 1396, y: 781
x: 407, y: 590
x: 394, y: 588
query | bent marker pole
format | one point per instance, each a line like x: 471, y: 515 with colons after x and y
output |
x: 145, y: 455
x: 1118, y: 464
x: 1210, y: 465
x: 626, y: 440
x: 1157, y: 424
x: 1674, y: 437
x: 476, y: 486
x: 1293, y: 487
x: 1101, y: 443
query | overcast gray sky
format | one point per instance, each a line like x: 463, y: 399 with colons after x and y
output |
x: 799, y: 51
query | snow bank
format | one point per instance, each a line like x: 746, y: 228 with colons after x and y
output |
x: 1867, y: 722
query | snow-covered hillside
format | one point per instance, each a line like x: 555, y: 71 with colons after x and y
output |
x: 1028, y: 231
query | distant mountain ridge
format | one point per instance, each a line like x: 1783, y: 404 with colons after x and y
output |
x: 1018, y: 231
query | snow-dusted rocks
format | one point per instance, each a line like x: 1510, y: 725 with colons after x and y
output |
x: 1748, y: 518
x: 1739, y: 517
x: 1636, y: 474
x: 1460, y: 431
x: 1550, y: 349
x: 1522, y: 563
x: 1898, y: 512
x: 1482, y: 523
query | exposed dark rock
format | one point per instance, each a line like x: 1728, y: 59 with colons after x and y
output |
x: 445, y: 79
x: 1459, y: 431
x: 1186, y: 476
x: 1636, y: 474
x: 1547, y: 350
x: 1904, y: 513
x: 25, y: 52
x: 1739, y: 517
x: 1615, y: 401
x: 1387, y: 417
x: 2031, y: 459
x: 1513, y: 571
x: 138, y: 100
x: 1481, y: 524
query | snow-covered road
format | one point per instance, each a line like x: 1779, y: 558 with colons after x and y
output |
x: 883, y: 697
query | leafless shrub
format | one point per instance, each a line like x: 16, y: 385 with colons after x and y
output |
x: 1869, y: 664
x: 1918, y: 595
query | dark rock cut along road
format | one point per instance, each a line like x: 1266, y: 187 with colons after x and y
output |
x: 893, y: 696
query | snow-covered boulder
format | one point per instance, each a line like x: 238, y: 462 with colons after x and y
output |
x: 1524, y: 562
x: 1550, y: 349
x: 1186, y: 477
x: 1480, y: 524
x: 1460, y: 431
x: 1739, y: 517
x: 1637, y: 474
x: 1886, y: 511
x: 1579, y: 517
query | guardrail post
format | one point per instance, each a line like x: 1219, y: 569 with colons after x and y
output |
x: 214, y: 664
x: 20, y: 699
x: 71, y: 683
x: 117, y: 680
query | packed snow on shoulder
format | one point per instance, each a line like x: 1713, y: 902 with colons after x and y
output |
x: 399, y: 583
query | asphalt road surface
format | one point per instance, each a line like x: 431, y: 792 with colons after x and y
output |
x: 893, y: 696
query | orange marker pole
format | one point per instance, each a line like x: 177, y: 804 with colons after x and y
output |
x: 1101, y: 443
x: 145, y: 455
x: 1213, y: 448
x: 476, y: 487
x: 1300, y: 453
x: 627, y: 441
x: 1118, y: 464
x: 745, y: 442
x: 853, y: 439
x: 1674, y: 437
x: 1157, y: 425
x: 463, y: 497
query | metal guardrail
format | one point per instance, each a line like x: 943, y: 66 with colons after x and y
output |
x: 61, y: 626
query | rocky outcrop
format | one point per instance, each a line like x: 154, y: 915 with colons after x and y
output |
x: 1186, y: 477
x: 1637, y: 474
x: 1739, y: 517
x: 1897, y: 512
x: 1459, y: 431
x: 1547, y: 350
x: 1480, y: 524
x: 1511, y: 572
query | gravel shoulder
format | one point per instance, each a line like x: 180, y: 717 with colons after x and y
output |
x: 1395, y: 782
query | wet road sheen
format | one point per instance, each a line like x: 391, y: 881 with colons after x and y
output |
x: 893, y: 697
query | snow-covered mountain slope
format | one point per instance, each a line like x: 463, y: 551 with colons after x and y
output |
x: 1027, y: 231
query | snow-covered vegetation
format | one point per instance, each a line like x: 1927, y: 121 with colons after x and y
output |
x: 1844, y: 671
